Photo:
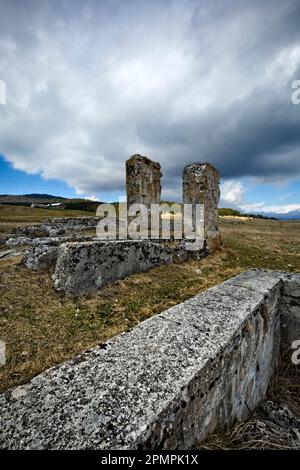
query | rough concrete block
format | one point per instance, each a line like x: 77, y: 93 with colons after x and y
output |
x: 41, y: 257
x: 83, y: 268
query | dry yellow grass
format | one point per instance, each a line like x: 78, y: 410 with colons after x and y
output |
x: 42, y: 328
x: 29, y: 215
x: 235, y: 217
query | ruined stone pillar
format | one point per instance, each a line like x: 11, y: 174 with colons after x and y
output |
x: 201, y: 185
x: 142, y: 181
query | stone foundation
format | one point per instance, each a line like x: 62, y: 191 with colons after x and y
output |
x: 43, y: 252
x: 83, y: 268
x: 60, y: 226
x: 166, y: 384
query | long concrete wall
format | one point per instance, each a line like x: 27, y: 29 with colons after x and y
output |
x: 166, y: 384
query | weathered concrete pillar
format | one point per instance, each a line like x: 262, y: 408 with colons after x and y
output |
x: 201, y: 185
x: 142, y: 181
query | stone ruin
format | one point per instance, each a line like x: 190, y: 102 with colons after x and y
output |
x: 143, y: 181
x: 81, y: 263
x: 201, y: 185
x: 172, y: 380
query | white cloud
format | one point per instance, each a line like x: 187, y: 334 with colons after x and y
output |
x: 232, y: 193
x: 284, y: 65
x: 89, y: 84
x: 265, y: 208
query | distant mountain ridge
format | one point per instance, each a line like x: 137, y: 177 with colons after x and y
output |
x: 292, y: 215
x: 29, y: 198
x: 42, y: 196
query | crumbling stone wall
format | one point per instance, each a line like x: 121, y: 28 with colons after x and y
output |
x: 143, y: 181
x: 59, y: 226
x: 84, y: 265
x: 43, y: 252
x: 201, y: 185
x: 166, y: 384
x: 83, y: 268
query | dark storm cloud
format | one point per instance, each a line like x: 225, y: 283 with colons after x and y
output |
x: 90, y: 83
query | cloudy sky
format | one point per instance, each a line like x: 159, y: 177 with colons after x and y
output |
x: 91, y: 82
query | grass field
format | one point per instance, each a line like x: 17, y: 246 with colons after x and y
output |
x: 42, y: 328
x: 14, y: 216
